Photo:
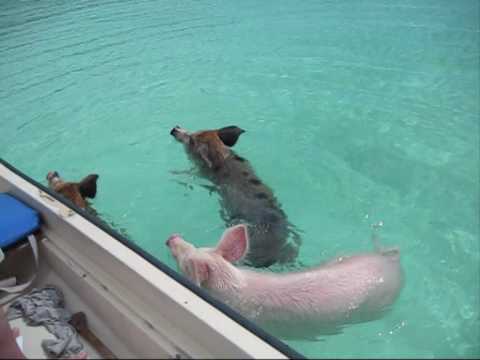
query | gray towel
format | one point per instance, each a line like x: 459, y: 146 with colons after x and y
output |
x: 46, y: 307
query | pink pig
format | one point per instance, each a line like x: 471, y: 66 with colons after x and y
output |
x: 301, y: 304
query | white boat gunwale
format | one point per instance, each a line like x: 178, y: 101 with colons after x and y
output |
x: 179, y: 278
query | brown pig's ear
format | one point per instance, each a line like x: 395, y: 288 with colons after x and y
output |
x: 230, y: 134
x: 88, y: 186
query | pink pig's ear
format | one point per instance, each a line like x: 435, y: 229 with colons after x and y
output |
x: 197, y: 270
x: 234, y: 243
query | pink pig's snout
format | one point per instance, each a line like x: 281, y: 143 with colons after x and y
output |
x: 171, y: 239
x: 178, y: 246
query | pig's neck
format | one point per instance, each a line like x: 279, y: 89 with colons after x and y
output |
x: 225, y: 279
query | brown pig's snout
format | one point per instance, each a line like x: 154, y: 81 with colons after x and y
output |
x: 52, y: 174
x: 174, y: 130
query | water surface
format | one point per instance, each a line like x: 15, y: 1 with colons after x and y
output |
x: 355, y: 111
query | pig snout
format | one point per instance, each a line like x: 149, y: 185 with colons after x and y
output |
x: 178, y: 131
x: 52, y: 174
x: 171, y: 239
x: 178, y: 246
x: 180, y: 134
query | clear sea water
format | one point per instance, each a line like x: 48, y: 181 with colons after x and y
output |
x: 355, y: 111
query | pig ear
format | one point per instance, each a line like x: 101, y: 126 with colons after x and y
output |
x: 197, y: 270
x: 88, y: 186
x: 230, y: 134
x: 234, y: 243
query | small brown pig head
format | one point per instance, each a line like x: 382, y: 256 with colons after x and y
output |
x: 76, y: 192
x: 211, y: 147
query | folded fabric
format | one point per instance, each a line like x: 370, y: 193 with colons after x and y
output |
x: 46, y: 307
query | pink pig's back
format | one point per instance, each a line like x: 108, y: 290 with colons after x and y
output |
x: 350, y: 289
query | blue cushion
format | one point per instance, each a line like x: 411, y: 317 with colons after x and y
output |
x: 17, y: 220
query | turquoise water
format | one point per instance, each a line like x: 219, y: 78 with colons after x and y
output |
x: 355, y: 111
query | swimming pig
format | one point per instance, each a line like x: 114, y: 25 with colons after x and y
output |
x: 244, y: 197
x: 303, y: 304
x: 76, y: 192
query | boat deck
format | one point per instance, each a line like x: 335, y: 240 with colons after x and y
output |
x: 18, y: 263
x: 32, y: 337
